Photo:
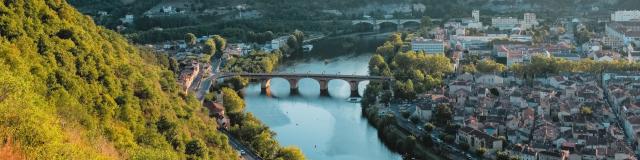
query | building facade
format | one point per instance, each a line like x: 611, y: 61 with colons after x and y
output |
x: 429, y: 46
x: 623, y: 33
x: 476, y: 15
x: 504, y: 23
x: 619, y: 16
x: 529, y: 21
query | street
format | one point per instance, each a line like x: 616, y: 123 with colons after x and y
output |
x: 245, y: 152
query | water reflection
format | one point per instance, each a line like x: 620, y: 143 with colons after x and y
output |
x: 323, y: 127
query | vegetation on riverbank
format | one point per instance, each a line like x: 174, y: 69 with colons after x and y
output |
x: 253, y: 133
x: 397, y: 139
x: 414, y: 72
x: 256, y: 62
x: 245, y: 126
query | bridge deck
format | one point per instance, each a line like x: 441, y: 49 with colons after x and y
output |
x: 304, y: 75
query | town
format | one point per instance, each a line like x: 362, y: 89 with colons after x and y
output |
x: 320, y: 80
x: 498, y: 112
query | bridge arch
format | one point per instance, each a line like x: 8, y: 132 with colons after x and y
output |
x: 364, y: 26
x: 410, y: 23
x: 293, y: 79
x: 388, y: 25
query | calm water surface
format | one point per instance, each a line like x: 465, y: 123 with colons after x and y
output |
x: 325, y: 128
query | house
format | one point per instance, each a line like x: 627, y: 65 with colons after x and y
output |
x: 188, y: 74
x: 478, y: 139
x: 429, y: 46
x: 515, y: 58
x: 522, y: 152
x: 424, y: 111
x: 568, y: 56
x: 490, y: 80
x: 216, y: 110
x: 278, y: 42
x: 459, y: 85
x: 605, y: 56
x: 552, y: 155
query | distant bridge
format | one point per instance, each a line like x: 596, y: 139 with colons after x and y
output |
x: 293, y: 78
x: 376, y: 23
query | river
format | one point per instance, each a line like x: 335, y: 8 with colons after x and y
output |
x: 324, y: 128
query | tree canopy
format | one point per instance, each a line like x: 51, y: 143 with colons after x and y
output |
x: 73, y: 90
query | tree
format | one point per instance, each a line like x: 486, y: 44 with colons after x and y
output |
x: 197, y: 148
x: 299, y: 36
x: 408, y: 144
x: 386, y: 50
x: 490, y: 66
x: 292, y: 43
x: 220, y: 42
x: 210, y: 97
x: 425, y: 22
x: 502, y: 156
x: 291, y: 153
x: 426, y: 139
x: 481, y: 151
x: 583, y: 35
x: 190, y: 39
x: 443, y: 115
x: 586, y: 111
x: 210, y: 47
x: 232, y: 102
x: 428, y: 127
x: 469, y: 68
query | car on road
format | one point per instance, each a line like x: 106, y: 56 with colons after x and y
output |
x: 242, y: 152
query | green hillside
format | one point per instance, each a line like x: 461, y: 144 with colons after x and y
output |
x: 72, y: 90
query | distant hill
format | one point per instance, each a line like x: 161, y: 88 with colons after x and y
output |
x: 72, y: 90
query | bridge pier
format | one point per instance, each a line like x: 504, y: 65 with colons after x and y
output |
x: 324, y: 87
x: 376, y: 27
x: 354, y: 88
x: 293, y: 83
x: 265, y: 85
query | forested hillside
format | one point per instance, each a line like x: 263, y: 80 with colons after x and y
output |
x: 72, y: 90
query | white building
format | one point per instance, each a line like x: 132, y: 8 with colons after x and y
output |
x: 529, y: 21
x: 429, y: 46
x: 625, y: 15
x: 476, y: 15
x: 128, y: 19
x: 504, y: 23
x: 278, y: 42
x: 623, y: 33
x: 168, y: 9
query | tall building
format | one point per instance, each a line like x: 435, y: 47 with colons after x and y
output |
x: 429, y: 46
x: 529, y: 20
x: 476, y: 15
x: 625, y: 16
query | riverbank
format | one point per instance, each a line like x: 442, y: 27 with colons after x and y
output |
x: 322, y: 127
x: 395, y: 136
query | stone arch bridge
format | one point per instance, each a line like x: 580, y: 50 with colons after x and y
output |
x: 376, y: 23
x: 293, y: 78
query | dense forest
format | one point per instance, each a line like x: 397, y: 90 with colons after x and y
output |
x: 72, y: 90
